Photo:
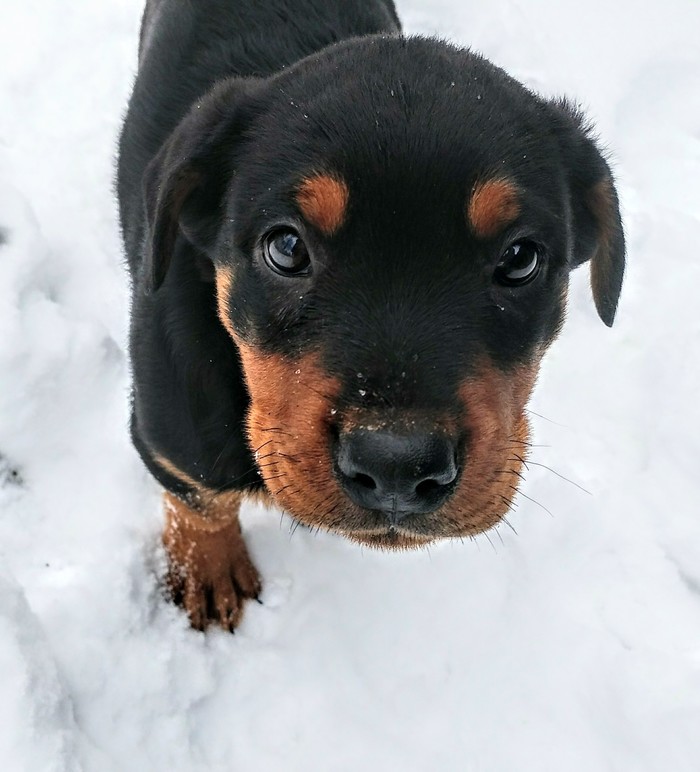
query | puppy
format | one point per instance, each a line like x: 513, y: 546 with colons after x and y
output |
x: 349, y: 251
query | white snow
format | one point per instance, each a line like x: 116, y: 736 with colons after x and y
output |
x: 573, y: 645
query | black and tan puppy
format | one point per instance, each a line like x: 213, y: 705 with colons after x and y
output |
x: 349, y: 252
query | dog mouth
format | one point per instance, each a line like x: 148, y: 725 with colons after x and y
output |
x: 388, y: 537
x: 391, y: 539
x: 403, y: 530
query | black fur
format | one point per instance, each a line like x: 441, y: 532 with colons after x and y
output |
x: 234, y: 104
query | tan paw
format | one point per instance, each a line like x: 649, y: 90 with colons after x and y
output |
x: 210, y: 573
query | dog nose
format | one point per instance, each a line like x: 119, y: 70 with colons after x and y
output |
x: 399, y: 474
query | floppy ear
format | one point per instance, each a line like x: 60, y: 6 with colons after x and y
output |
x: 597, y: 233
x: 184, y: 184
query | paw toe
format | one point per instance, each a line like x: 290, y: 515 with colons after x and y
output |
x: 227, y: 607
x: 195, y: 603
x: 247, y: 580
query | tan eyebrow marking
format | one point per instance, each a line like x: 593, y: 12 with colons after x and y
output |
x: 323, y: 200
x: 492, y: 206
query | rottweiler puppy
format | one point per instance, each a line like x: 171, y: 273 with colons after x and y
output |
x: 349, y: 251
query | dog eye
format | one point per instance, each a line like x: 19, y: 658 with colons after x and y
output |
x: 286, y: 253
x: 519, y: 264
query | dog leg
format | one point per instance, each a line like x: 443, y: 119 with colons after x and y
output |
x: 210, y: 573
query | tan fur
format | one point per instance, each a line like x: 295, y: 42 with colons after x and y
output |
x: 224, y: 283
x: 210, y: 572
x: 288, y: 424
x: 494, y: 404
x: 174, y: 471
x: 323, y: 201
x: 492, y: 206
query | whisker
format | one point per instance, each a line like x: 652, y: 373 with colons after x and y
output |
x: 520, y: 442
x: 510, y: 471
x: 253, y: 468
x: 526, y: 444
x: 230, y: 483
x: 533, y: 501
x: 522, y: 461
x: 274, y: 477
x: 221, y: 452
x: 544, y: 418
x: 293, y: 459
x: 267, y: 455
x: 258, y: 449
x: 508, y: 502
x: 553, y: 471
x: 488, y: 538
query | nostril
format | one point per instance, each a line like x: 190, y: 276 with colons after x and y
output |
x: 365, y: 481
x: 427, y: 487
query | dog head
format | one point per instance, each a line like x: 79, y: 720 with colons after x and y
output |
x: 392, y: 223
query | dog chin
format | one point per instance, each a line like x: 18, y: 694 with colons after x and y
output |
x: 389, y: 538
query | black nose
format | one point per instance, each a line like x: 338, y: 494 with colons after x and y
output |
x: 399, y: 474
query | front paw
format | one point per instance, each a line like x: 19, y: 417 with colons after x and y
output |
x: 209, y: 571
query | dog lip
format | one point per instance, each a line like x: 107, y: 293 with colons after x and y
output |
x: 391, y: 537
x: 389, y: 530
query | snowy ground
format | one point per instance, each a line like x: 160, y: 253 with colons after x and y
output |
x: 574, y: 645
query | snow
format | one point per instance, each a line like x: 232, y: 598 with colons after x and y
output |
x: 573, y: 645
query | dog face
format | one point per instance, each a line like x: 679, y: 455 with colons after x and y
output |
x: 391, y: 223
